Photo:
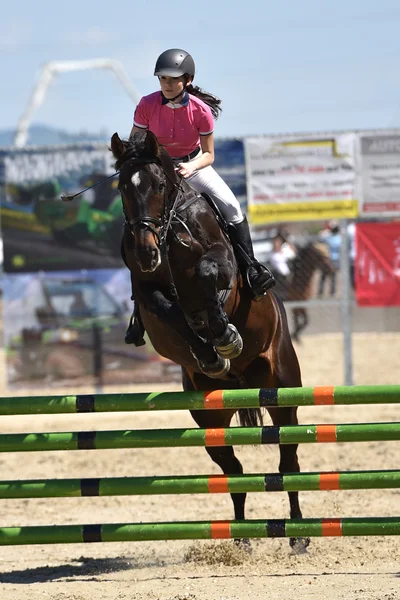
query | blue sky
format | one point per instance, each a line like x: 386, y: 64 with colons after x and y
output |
x: 287, y: 66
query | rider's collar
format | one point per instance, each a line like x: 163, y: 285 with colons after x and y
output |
x: 183, y: 102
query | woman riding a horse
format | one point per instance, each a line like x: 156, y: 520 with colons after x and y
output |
x: 182, y: 118
x: 195, y: 291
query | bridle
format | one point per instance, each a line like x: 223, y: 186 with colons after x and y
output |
x: 158, y: 227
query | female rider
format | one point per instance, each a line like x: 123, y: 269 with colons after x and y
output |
x: 182, y: 118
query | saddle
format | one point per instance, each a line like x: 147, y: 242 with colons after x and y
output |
x: 218, y: 214
x: 227, y: 229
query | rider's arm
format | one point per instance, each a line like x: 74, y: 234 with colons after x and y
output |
x: 207, y: 149
x: 141, y: 116
x: 135, y: 128
x: 186, y: 169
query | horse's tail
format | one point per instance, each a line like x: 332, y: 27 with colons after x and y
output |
x: 250, y: 417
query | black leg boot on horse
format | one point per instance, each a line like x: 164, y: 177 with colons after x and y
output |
x: 135, y: 332
x: 258, y: 276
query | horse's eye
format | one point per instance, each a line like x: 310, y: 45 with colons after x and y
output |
x: 161, y: 186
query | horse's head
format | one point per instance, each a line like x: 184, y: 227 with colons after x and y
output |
x: 146, y: 181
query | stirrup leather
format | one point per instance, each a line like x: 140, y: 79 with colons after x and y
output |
x: 135, y: 332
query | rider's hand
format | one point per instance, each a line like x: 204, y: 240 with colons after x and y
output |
x: 185, y: 170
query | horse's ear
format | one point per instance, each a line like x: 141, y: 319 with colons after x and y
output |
x: 151, y: 143
x: 117, y: 146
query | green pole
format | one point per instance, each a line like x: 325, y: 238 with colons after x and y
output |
x: 198, y: 484
x: 134, y: 532
x: 339, y: 395
x: 158, y: 438
x: 200, y: 400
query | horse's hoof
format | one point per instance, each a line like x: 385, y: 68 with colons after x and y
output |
x: 299, y: 545
x: 230, y: 344
x: 217, y: 369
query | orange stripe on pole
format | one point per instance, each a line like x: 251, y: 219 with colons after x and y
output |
x: 220, y: 530
x: 215, y: 437
x: 218, y: 484
x: 332, y: 527
x: 329, y: 481
x: 326, y: 433
x: 324, y: 395
x: 214, y: 399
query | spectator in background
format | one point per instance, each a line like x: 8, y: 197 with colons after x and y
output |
x: 332, y: 238
x: 351, y: 236
x: 283, y: 251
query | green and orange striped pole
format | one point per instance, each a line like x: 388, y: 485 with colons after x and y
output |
x: 134, y: 532
x: 199, y: 484
x: 200, y: 400
x: 158, y: 438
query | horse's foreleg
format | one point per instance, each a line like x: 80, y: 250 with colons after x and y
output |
x: 305, y: 319
x: 260, y: 374
x: 300, y: 319
x: 223, y: 335
x: 170, y: 313
x: 289, y: 463
x: 295, y: 332
x: 225, y: 458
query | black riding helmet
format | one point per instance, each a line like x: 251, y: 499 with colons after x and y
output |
x: 174, y: 63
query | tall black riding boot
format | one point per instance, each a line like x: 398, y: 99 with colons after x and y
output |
x: 135, y: 332
x: 258, y: 276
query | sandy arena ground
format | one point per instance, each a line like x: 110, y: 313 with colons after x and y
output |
x: 333, y: 569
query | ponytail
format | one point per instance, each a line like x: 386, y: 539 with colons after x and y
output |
x: 212, y: 101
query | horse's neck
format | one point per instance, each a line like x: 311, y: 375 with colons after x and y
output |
x: 304, y: 269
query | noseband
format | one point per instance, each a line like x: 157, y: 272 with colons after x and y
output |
x: 146, y: 223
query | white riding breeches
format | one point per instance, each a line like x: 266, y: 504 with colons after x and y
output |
x: 208, y: 181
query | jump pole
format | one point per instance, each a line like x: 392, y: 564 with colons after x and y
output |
x: 195, y: 530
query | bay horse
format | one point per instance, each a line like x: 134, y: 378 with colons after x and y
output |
x: 299, y: 284
x: 190, y: 293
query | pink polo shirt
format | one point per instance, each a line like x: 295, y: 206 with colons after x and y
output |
x: 177, y: 127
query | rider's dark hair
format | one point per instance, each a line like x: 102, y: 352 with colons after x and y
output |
x: 213, y: 102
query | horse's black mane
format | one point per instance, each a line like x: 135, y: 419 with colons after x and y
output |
x: 303, y: 254
x: 304, y: 249
x: 136, y: 150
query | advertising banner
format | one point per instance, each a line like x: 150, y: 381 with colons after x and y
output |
x: 66, y: 298
x: 40, y: 231
x: 301, y: 178
x: 377, y: 264
x: 380, y: 174
x: 230, y: 165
